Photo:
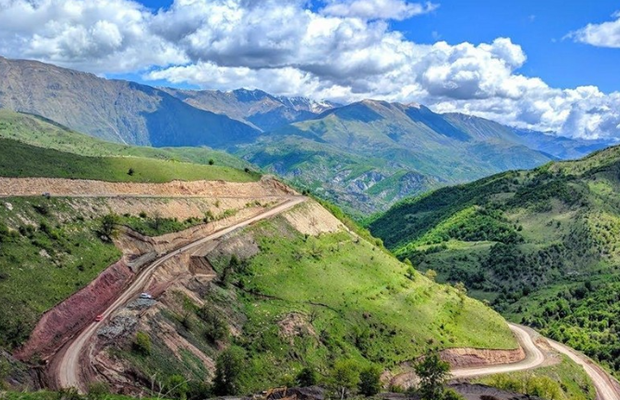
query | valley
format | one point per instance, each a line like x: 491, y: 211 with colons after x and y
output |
x: 232, y: 246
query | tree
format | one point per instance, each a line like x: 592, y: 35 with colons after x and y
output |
x: 228, y: 367
x: 177, y: 387
x: 433, y: 372
x: 108, y: 228
x: 211, y: 161
x: 130, y: 172
x: 345, y: 377
x: 370, y: 381
x: 307, y: 377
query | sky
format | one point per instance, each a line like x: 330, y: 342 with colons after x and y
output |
x: 545, y: 65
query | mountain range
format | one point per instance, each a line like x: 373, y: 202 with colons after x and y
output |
x: 365, y: 156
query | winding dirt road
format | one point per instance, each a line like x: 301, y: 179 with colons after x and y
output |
x: 607, y: 388
x: 67, y: 370
x: 534, y: 357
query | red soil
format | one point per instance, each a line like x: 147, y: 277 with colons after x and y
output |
x: 60, y: 323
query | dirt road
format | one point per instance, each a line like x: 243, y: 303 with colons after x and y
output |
x: 607, y: 388
x: 533, y: 358
x: 67, y: 371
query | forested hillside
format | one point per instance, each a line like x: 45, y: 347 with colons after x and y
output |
x: 542, y: 246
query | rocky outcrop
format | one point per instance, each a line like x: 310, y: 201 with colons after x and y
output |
x: 66, y: 319
x: 468, y: 357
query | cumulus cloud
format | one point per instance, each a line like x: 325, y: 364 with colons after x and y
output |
x: 606, y: 34
x: 377, y: 9
x: 344, y: 51
x: 99, y: 36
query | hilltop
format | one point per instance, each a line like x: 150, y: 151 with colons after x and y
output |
x: 540, y: 245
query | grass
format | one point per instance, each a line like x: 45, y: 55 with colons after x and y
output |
x: 48, y: 254
x: 359, y: 302
x: 41, y: 132
x: 66, y: 395
x: 21, y: 160
x: 562, y: 381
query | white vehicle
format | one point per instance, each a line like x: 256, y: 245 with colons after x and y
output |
x: 145, y: 296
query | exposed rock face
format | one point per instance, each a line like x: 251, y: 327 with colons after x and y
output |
x: 467, y: 357
x: 63, y: 321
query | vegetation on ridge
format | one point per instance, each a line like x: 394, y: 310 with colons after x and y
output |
x: 543, y: 246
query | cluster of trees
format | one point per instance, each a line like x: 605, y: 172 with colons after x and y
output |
x: 345, y: 378
x: 586, y: 317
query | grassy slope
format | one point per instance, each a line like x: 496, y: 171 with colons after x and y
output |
x: 353, y: 299
x: 38, y: 131
x: 49, y: 254
x: 362, y: 304
x: 21, y: 160
x: 565, y: 380
x: 543, y: 246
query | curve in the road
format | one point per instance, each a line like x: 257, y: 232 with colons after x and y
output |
x: 67, y: 371
x: 534, y: 357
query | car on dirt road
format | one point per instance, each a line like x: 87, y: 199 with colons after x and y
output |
x: 99, y: 318
x: 145, y: 296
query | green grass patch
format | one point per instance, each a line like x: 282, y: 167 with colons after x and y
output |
x: 21, y: 160
x: 47, y: 253
x: 562, y: 381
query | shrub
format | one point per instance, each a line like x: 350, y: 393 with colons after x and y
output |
x: 370, y: 381
x: 307, y: 377
x: 228, y: 369
x: 216, y: 326
x: 142, y: 343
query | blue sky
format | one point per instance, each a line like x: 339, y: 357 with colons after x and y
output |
x: 538, y: 26
x: 544, y: 65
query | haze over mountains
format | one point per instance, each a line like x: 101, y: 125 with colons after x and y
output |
x: 365, y: 156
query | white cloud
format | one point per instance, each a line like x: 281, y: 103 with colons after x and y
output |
x: 606, y: 34
x: 99, y: 36
x: 286, y: 48
x: 377, y: 9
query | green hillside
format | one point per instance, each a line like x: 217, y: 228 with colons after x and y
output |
x: 342, y: 297
x: 82, y: 157
x: 38, y: 131
x: 543, y: 246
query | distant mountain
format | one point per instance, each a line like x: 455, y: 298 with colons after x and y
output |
x: 365, y: 156
x: 114, y: 110
x: 254, y: 107
x: 543, y: 246
x: 557, y: 146
x: 369, y: 154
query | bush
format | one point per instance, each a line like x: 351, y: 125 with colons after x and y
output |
x: 216, y: 326
x: 177, y: 387
x: 142, y: 343
x: 370, y: 381
x: 307, y: 377
x: 97, y: 391
x: 228, y: 369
